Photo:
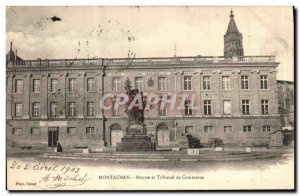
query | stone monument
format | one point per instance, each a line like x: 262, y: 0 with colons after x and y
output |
x: 135, y: 137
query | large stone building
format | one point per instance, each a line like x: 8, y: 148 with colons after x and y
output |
x: 50, y: 100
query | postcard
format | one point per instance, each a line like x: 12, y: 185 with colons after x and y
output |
x: 150, y: 98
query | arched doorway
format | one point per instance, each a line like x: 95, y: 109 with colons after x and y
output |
x: 163, y: 136
x: 116, y: 134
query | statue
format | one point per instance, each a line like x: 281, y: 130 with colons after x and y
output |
x: 127, y: 85
x: 135, y: 114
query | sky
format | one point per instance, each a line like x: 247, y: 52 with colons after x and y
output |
x: 110, y: 32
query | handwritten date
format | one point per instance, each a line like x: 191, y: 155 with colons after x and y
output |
x: 44, y: 167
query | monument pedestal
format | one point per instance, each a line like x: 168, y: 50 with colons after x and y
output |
x: 136, y: 143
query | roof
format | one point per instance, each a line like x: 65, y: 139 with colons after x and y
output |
x: 10, y: 56
x: 232, y: 28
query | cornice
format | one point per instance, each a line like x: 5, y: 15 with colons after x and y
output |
x: 142, y: 67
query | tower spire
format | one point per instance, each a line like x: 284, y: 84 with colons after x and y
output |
x: 232, y: 28
x: 233, y: 39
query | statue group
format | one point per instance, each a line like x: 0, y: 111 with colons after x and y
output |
x: 135, y: 137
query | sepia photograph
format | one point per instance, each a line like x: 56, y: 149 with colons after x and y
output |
x: 149, y: 98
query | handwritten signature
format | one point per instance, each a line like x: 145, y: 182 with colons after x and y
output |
x: 60, y: 180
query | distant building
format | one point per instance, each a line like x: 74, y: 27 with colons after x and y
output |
x: 50, y: 100
x: 286, y: 98
x: 12, y: 57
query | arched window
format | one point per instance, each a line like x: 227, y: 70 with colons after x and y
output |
x: 162, y: 127
x: 115, y: 127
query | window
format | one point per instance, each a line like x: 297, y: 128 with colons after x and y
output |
x: 206, y: 82
x: 227, y: 107
x: 266, y: 128
x: 188, y: 108
x: 117, y: 84
x: 19, y: 86
x: 226, y: 83
x: 35, y: 131
x: 189, y: 129
x: 17, y: 131
x: 36, y: 86
x: 207, y: 107
x: 263, y: 82
x: 162, y: 84
x: 53, y: 109
x: 115, y: 111
x: 244, y: 82
x: 90, y: 130
x: 72, y: 109
x: 227, y: 129
x: 247, y: 128
x: 35, y: 109
x: 265, y: 107
x: 18, y: 109
x: 139, y: 83
x: 91, y: 84
x: 246, y: 107
x: 71, y: 130
x: 54, y: 85
x: 162, y: 111
x: 208, y: 129
x: 72, y: 84
x: 187, y: 83
x: 90, y: 109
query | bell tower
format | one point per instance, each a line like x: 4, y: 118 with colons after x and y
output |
x: 233, y: 40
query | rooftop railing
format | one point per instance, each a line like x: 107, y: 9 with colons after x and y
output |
x: 145, y: 61
x: 59, y: 62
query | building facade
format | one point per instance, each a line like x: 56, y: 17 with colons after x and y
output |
x: 51, y: 100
